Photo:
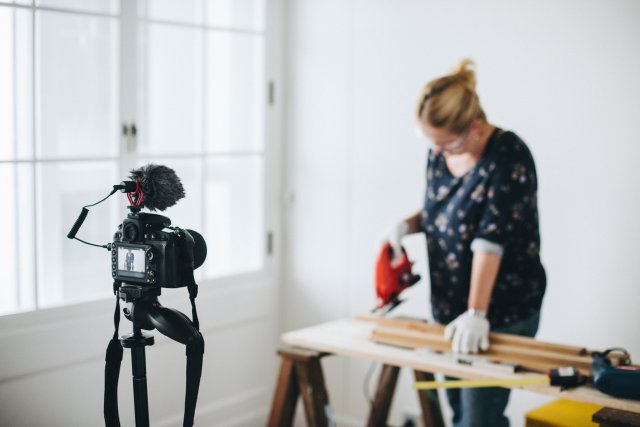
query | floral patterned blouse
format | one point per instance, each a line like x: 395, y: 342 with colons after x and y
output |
x: 494, y: 204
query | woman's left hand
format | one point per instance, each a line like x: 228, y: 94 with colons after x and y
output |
x: 469, y: 332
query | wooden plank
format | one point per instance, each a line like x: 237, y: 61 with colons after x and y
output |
x: 555, y: 359
x: 535, y: 360
x: 399, y: 341
x: 503, y: 353
x: 383, y: 397
x: 440, y: 343
x: 494, y: 337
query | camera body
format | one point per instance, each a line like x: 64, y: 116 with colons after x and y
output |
x: 147, y: 251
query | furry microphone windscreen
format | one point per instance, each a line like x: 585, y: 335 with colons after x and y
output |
x: 161, y: 186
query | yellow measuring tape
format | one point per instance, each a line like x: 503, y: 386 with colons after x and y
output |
x: 430, y: 385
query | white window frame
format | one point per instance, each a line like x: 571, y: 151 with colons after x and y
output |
x: 55, y: 320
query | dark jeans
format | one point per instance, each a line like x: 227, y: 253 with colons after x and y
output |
x: 478, y: 407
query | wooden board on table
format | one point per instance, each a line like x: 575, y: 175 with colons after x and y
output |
x: 495, y: 338
x: 529, y: 353
x: 530, y: 359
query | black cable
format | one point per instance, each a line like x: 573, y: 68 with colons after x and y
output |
x: 366, y: 383
x: 93, y: 244
x: 109, y: 195
x: 83, y: 216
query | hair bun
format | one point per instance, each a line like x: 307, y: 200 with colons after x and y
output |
x: 465, y: 74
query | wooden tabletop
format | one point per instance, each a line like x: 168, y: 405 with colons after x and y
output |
x: 350, y: 337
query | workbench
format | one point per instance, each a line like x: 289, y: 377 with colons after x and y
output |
x: 351, y: 338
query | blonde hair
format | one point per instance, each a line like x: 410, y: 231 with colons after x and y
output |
x: 451, y: 101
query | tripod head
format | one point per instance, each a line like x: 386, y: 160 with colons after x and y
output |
x: 145, y: 312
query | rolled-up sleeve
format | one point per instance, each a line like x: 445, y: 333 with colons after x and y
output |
x: 510, y: 194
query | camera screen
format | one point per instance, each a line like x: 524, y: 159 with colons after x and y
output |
x: 131, y: 262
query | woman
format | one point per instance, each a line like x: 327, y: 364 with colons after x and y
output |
x: 480, y: 218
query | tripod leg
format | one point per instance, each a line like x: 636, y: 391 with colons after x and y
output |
x: 140, y: 398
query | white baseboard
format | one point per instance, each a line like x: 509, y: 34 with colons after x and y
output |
x: 349, y: 422
x: 257, y: 418
x: 245, y: 409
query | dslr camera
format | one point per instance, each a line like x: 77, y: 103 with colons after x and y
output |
x: 146, y: 250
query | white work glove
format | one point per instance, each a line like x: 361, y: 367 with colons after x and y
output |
x: 394, y: 237
x: 468, y: 332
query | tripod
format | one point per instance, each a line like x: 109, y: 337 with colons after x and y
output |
x: 145, y: 312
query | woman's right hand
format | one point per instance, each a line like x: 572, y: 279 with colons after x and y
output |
x: 394, y: 237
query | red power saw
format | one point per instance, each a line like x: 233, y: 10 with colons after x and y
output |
x: 392, y: 278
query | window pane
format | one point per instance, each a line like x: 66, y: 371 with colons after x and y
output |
x: 171, y: 84
x: 69, y: 271
x: 97, y: 6
x: 238, y: 14
x: 186, y: 11
x: 16, y: 74
x: 235, y: 92
x: 77, y: 85
x: 17, y: 261
x: 234, y: 215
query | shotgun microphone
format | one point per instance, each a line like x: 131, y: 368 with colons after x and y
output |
x: 160, y: 186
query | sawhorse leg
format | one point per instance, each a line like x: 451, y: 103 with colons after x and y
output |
x: 300, y: 374
x: 431, y: 413
x: 429, y: 402
x: 384, y: 394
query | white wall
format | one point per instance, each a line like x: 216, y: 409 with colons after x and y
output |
x: 563, y: 75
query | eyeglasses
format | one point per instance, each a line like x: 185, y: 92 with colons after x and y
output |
x: 449, y: 146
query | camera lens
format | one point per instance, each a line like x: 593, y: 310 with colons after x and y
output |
x: 130, y: 232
